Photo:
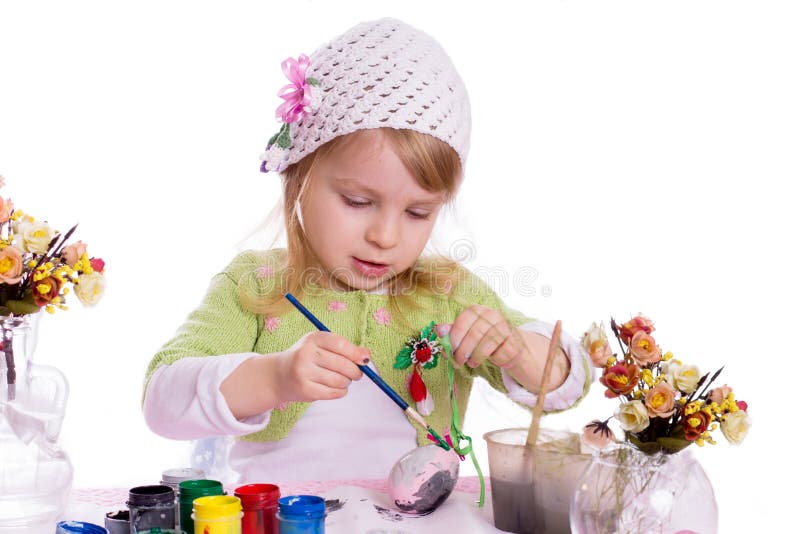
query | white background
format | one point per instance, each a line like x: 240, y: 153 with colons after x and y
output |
x: 638, y: 155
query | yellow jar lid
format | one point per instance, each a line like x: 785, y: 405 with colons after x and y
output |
x: 217, y: 506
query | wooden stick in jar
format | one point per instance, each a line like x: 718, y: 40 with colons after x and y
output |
x: 533, y: 431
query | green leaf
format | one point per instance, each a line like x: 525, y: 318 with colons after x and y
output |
x: 403, y: 359
x: 312, y: 81
x: 667, y: 444
x: 284, y: 140
x: 433, y: 362
x: 426, y: 331
x: 25, y: 306
x: 672, y: 445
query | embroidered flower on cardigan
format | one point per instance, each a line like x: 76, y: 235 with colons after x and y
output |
x: 265, y: 271
x: 272, y: 323
x: 337, y: 306
x: 422, y: 353
x: 382, y: 316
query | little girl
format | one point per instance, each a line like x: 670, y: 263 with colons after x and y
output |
x: 374, y: 137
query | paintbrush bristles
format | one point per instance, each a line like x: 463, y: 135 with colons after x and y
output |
x: 533, y: 431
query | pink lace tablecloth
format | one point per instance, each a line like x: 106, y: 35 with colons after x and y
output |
x: 117, y: 496
x: 363, y: 507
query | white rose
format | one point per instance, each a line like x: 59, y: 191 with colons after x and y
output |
x: 595, y: 343
x: 735, y: 426
x: 34, y: 236
x: 90, y: 287
x: 669, y: 369
x: 687, y: 379
x: 681, y: 377
x: 633, y: 416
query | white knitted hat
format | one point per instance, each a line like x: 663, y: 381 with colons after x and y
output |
x: 381, y: 73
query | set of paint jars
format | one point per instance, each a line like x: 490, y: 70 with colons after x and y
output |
x: 201, y: 506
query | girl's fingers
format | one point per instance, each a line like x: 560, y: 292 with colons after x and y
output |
x: 338, y: 366
x: 468, y: 329
x: 492, y: 345
x: 342, y: 346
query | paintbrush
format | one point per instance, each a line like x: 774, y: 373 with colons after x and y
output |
x: 386, y: 388
x: 533, y: 431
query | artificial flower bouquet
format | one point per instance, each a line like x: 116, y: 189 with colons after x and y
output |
x: 38, y: 265
x: 665, y: 404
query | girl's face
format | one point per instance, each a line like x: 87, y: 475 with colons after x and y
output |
x: 364, y: 214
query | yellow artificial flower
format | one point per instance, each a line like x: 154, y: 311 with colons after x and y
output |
x: 692, y: 408
x: 647, y: 376
x: 667, y: 356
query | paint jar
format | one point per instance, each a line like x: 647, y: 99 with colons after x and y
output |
x: 151, y: 507
x: 188, y: 491
x: 217, y: 514
x: 532, y: 487
x: 118, y: 522
x: 78, y: 527
x: 301, y: 514
x: 173, y: 477
x: 260, y: 506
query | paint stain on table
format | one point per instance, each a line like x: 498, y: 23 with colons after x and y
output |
x: 394, y: 515
x: 333, y: 505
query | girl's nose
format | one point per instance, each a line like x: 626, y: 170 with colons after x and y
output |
x: 383, y: 232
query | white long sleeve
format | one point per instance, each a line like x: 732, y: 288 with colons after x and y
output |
x: 183, y: 400
x: 573, y: 387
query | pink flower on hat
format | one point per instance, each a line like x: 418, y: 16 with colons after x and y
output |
x: 298, y: 95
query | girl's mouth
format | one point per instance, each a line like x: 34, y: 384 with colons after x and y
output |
x: 368, y: 268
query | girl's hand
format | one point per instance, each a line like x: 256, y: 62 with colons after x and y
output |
x: 480, y: 333
x: 319, y: 366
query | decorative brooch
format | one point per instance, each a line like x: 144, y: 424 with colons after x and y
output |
x: 300, y: 96
x: 422, y: 353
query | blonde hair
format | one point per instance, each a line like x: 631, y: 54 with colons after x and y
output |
x: 436, y: 168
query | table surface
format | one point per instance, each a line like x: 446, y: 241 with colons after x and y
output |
x: 357, y: 507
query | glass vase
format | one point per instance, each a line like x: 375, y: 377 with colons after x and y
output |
x: 35, y: 474
x: 625, y: 491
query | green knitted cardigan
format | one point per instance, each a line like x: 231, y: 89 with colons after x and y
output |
x: 220, y: 325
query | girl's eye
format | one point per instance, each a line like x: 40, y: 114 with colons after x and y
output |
x: 419, y: 215
x: 355, y: 203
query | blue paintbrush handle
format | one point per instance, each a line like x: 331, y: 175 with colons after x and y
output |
x: 365, y: 369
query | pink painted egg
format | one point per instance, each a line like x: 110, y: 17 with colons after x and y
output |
x: 422, y: 479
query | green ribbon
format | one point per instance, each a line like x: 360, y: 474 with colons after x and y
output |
x: 456, y: 433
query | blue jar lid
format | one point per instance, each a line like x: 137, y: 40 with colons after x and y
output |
x: 70, y: 527
x: 302, y: 506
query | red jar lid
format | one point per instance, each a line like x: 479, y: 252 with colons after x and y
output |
x: 258, y: 495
